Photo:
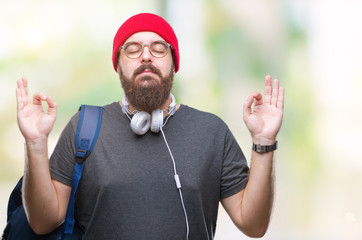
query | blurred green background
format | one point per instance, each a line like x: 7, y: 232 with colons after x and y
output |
x: 226, y: 48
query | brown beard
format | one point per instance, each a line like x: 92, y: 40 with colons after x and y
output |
x: 150, y: 97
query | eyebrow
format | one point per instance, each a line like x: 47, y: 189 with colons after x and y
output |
x: 159, y: 40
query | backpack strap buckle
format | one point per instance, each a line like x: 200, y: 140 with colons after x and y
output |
x: 81, y: 155
x: 82, y: 150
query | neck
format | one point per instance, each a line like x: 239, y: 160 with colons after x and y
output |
x: 165, y: 106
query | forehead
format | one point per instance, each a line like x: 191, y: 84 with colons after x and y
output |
x: 144, y: 37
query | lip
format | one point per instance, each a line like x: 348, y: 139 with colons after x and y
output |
x: 147, y: 71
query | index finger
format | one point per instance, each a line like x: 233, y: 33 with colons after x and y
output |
x: 38, y: 97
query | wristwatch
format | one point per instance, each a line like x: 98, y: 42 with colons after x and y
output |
x: 265, y: 148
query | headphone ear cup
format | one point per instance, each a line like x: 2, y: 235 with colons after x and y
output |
x: 157, y: 120
x: 141, y: 122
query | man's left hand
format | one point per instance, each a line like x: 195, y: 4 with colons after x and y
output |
x: 264, y: 119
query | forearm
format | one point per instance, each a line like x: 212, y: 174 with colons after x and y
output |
x: 259, y: 194
x: 263, y: 118
x: 39, y: 195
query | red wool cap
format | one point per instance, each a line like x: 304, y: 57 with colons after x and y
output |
x: 145, y: 22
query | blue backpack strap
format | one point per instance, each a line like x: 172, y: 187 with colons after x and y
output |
x: 89, y: 125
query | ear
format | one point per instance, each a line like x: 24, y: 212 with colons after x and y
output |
x: 173, y: 63
x: 119, y: 68
x: 173, y: 67
x: 118, y: 62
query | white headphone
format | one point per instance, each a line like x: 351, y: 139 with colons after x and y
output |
x: 142, y: 121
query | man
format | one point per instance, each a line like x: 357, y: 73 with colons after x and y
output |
x: 127, y: 190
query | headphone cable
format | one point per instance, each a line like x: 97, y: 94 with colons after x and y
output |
x: 178, y: 185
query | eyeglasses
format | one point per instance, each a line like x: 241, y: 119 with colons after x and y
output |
x: 157, y: 49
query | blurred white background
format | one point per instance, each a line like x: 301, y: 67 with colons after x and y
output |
x: 226, y: 49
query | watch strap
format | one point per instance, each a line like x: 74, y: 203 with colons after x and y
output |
x: 265, y: 148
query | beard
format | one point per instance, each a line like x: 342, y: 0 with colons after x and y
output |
x: 153, y: 95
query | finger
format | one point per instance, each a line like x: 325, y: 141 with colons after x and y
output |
x: 20, y: 86
x: 258, y: 98
x: 19, y: 83
x: 275, y: 92
x: 280, y: 102
x: 19, y: 100
x: 247, y: 106
x: 38, y: 97
x: 25, y: 84
x: 21, y: 97
x: 268, y: 89
x: 52, y: 107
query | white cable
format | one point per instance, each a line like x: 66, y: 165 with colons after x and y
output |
x: 127, y: 114
x: 169, y: 115
x: 178, y: 185
x: 187, y: 220
x: 169, y: 150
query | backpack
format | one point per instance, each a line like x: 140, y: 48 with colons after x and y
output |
x: 17, y: 227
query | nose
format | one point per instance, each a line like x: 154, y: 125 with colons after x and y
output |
x: 146, y: 55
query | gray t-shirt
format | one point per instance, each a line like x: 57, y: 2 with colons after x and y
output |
x: 128, y: 190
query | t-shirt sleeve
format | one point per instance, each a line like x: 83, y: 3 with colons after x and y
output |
x: 62, y: 160
x: 235, y: 171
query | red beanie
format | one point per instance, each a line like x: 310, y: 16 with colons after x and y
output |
x: 145, y: 22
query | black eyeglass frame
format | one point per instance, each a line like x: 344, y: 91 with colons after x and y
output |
x: 143, y: 47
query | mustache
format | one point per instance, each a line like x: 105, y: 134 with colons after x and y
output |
x: 147, y: 66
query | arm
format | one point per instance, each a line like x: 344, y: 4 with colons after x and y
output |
x: 250, y: 209
x: 45, y: 200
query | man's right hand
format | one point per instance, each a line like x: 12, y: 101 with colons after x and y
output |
x: 45, y: 199
x: 34, y: 123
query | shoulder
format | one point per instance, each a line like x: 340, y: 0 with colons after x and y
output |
x: 195, y: 114
x: 114, y: 106
x: 109, y: 110
x: 200, y: 119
